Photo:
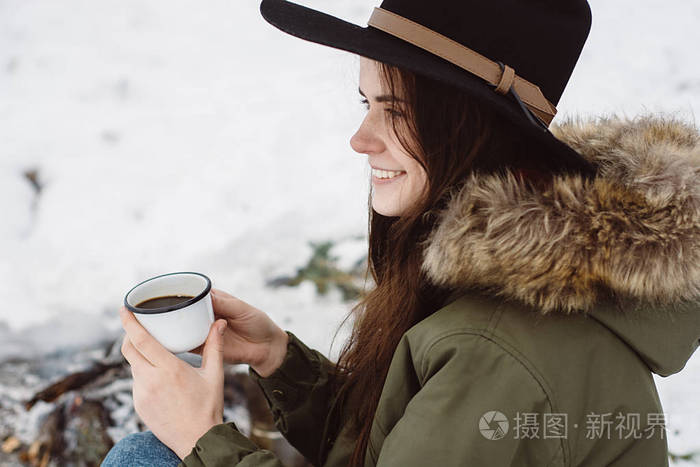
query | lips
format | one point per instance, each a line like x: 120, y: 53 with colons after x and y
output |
x: 387, y: 170
x: 383, y: 181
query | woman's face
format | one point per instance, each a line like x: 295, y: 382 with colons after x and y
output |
x: 397, y: 178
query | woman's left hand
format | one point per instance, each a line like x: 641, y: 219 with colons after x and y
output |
x: 176, y: 401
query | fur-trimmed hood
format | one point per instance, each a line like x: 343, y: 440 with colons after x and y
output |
x: 632, y: 233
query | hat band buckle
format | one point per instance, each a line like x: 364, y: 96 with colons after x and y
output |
x: 503, y: 78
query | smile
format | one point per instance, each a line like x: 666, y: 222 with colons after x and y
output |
x: 381, y: 177
x: 386, y: 174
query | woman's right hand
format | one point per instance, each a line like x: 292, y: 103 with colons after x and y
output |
x: 251, y: 336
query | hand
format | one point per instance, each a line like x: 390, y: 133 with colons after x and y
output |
x: 251, y: 337
x: 177, y: 402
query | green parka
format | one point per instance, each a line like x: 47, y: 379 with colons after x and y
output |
x: 585, y: 290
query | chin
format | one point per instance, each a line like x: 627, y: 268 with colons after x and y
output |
x: 386, y: 211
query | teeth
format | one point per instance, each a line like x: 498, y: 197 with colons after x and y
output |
x: 385, y: 173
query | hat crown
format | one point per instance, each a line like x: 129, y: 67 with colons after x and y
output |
x: 541, y: 39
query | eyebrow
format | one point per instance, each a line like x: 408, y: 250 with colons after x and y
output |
x: 382, y: 98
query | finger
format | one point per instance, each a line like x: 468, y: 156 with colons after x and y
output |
x: 146, y: 344
x: 133, y: 356
x: 220, y: 293
x: 213, y: 353
x: 227, y: 306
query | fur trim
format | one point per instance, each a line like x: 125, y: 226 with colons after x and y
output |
x: 633, y: 231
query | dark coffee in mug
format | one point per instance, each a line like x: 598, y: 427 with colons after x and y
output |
x: 159, y: 302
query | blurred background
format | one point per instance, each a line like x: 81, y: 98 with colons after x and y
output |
x: 145, y: 137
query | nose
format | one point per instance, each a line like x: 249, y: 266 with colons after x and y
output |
x: 366, y: 139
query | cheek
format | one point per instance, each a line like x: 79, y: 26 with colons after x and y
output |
x: 418, y: 181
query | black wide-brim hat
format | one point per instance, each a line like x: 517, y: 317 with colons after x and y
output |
x: 533, y: 46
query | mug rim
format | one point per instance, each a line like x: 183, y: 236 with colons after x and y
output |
x: 165, y: 309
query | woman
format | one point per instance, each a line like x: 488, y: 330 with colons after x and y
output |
x: 528, y: 282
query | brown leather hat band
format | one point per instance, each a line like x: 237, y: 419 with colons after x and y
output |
x: 507, y: 79
x: 465, y: 58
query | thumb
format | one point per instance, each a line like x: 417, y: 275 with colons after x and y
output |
x: 227, y: 306
x: 213, y: 352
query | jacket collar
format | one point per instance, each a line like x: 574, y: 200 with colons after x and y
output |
x: 632, y: 233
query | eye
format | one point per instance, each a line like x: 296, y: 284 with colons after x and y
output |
x: 390, y: 111
x: 394, y: 113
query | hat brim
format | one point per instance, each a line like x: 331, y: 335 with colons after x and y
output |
x: 322, y: 28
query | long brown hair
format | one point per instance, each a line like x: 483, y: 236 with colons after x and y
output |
x: 451, y: 135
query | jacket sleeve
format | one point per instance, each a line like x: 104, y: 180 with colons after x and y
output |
x: 471, y: 391
x: 299, y: 396
x: 223, y: 445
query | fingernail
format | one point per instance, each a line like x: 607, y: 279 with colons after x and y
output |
x: 222, y: 328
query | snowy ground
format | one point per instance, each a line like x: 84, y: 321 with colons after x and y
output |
x: 173, y: 135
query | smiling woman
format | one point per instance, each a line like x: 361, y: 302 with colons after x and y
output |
x: 434, y: 136
x: 520, y: 273
x: 398, y: 179
x: 403, y: 122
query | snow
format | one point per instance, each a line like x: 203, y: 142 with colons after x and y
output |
x: 177, y: 136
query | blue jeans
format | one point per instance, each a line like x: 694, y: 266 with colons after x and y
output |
x: 140, y: 450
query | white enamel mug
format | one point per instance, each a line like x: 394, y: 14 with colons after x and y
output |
x: 181, y: 327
